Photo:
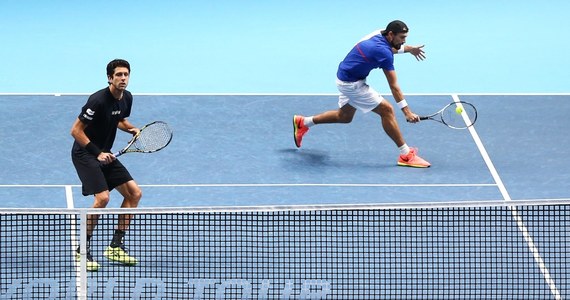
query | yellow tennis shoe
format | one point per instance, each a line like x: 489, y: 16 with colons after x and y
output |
x: 120, y: 254
x: 92, y: 265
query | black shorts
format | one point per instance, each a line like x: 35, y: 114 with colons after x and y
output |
x: 96, y: 177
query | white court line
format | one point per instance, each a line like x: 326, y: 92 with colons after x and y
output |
x: 323, y: 185
x: 265, y: 185
x: 69, y: 196
x: 514, y: 211
x: 80, y: 281
x: 288, y: 94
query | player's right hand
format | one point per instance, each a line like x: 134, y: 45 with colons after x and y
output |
x: 106, y: 158
x: 412, y: 117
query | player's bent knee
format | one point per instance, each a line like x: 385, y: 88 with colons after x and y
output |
x: 130, y: 191
x: 101, y: 200
x: 137, y: 195
x: 134, y: 196
x: 385, y: 109
x: 344, y: 118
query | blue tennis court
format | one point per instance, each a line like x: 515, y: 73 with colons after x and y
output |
x: 238, y: 150
x: 231, y: 209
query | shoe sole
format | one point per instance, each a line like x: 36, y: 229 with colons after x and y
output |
x: 94, y: 268
x: 110, y: 257
x: 411, y: 165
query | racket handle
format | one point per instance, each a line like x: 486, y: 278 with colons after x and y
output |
x: 421, y: 119
x: 117, y: 154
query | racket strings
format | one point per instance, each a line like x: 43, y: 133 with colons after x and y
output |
x: 154, y: 137
x: 459, y: 115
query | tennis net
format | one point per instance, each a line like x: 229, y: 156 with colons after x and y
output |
x: 466, y: 250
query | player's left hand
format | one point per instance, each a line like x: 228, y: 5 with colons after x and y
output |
x: 134, y: 130
x: 418, y: 52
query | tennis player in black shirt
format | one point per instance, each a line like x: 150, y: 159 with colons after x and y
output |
x: 94, y: 132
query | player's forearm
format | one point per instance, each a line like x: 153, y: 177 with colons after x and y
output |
x: 125, y: 125
x: 397, y: 93
x: 400, y: 100
x: 78, y: 133
x: 81, y: 139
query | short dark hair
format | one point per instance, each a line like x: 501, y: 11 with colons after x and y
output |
x: 117, y: 63
x: 396, y: 27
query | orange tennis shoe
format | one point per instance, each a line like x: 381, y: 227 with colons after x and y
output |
x: 412, y: 160
x: 299, y: 129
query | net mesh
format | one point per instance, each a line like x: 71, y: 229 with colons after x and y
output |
x: 35, y: 256
x: 479, y: 252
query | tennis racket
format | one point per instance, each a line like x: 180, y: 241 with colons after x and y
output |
x: 151, y: 138
x: 456, y: 115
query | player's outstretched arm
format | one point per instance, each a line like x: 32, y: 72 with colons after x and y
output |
x: 417, y: 51
x: 399, y: 97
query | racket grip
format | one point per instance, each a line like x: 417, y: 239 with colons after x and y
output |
x: 117, y: 154
x: 421, y: 119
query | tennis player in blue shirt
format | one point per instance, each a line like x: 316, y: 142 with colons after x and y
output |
x: 374, y: 51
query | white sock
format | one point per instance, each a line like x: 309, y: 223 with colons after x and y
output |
x: 404, y: 149
x: 309, y: 121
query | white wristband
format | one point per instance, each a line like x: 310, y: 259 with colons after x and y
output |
x: 401, y: 50
x: 402, y: 103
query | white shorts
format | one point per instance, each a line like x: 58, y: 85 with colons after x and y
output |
x: 358, y: 94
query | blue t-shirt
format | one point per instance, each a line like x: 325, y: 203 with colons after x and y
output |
x: 372, y: 52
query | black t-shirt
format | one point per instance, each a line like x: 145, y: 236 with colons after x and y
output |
x: 102, y: 114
